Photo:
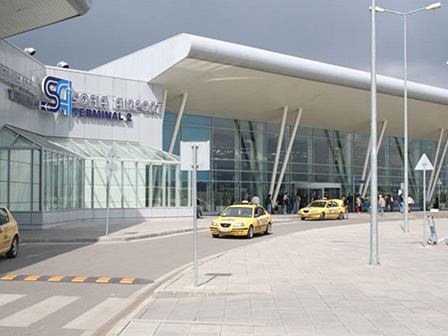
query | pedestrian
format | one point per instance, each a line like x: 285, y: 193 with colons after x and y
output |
x: 410, y: 203
x: 350, y: 202
x: 400, y: 201
x: 297, y: 200
x: 245, y: 198
x: 286, y: 203
x: 358, y: 203
x: 255, y: 200
x: 381, y: 204
x: 198, y: 209
x: 345, y: 202
x: 391, y: 202
x: 268, y: 203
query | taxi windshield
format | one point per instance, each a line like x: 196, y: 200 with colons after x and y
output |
x: 318, y: 204
x: 237, y: 212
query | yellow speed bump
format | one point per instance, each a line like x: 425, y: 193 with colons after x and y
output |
x: 56, y: 278
x: 32, y: 278
x: 79, y: 279
x: 127, y: 281
x: 103, y: 280
x: 9, y: 277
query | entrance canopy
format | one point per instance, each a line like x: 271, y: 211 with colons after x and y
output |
x: 20, y: 16
x: 235, y: 81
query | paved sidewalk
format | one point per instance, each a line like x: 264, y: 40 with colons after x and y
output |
x: 122, y: 230
x: 310, y: 283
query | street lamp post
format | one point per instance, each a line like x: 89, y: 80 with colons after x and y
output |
x: 434, y: 6
x: 374, y: 260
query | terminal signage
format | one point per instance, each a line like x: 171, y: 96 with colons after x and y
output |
x: 16, y: 80
x: 63, y: 99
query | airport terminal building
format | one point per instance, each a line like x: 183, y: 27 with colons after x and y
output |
x: 276, y: 124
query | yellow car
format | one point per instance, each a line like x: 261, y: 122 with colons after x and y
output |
x: 9, y: 234
x: 322, y: 209
x: 242, y: 220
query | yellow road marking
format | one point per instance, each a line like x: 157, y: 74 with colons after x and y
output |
x: 103, y: 280
x: 32, y: 278
x: 126, y: 281
x: 55, y: 278
x: 9, y: 277
x: 79, y: 279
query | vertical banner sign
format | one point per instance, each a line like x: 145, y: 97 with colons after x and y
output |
x: 424, y: 164
x: 195, y: 156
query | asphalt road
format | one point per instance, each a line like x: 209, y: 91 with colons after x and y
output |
x: 57, y: 308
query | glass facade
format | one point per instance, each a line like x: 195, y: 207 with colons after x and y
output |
x: 56, y: 174
x: 243, y: 152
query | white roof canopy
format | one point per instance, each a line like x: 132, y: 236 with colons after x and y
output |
x: 234, y: 81
x: 18, y: 16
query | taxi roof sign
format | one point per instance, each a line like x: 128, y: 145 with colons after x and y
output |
x: 424, y: 163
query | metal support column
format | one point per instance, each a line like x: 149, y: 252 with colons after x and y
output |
x: 439, y: 144
x: 366, y: 163
x: 178, y: 120
x: 164, y: 99
x: 288, y: 152
x: 279, y: 147
x: 380, y: 141
x: 439, y: 168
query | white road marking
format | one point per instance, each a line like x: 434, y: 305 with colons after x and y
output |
x: 37, y: 312
x: 98, y: 315
x: 7, y: 298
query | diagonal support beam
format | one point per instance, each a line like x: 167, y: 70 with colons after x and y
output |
x: 431, y: 180
x: 279, y: 147
x: 178, y: 120
x: 439, y: 168
x: 366, y: 163
x: 288, y: 152
x: 378, y: 147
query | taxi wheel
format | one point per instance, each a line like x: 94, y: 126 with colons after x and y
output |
x: 14, y: 250
x: 322, y: 216
x: 341, y: 216
x: 302, y: 218
x: 250, y: 232
x: 268, y: 229
x: 215, y: 236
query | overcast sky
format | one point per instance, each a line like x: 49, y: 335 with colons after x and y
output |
x: 330, y: 31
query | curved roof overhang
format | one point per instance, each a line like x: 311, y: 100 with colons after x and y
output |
x: 20, y: 16
x: 229, y: 80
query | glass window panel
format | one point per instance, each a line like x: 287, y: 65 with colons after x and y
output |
x: 158, y: 186
x: 224, y: 123
x: 129, y: 184
x: 299, y: 152
x: 189, y: 119
x: 224, y: 195
x: 224, y: 175
x: 224, y: 164
x: 170, y: 117
x: 396, y: 152
x: 7, y: 137
x: 100, y: 185
x: 321, y: 150
x: 3, y: 177
x: 20, y: 180
x: 195, y: 133
x: 223, y: 144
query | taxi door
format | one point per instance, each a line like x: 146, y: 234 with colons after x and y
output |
x: 259, y: 216
x: 5, y: 230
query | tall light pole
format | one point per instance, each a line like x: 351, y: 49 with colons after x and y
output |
x: 434, y: 6
x: 374, y: 260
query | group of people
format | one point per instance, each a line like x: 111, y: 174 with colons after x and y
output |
x: 286, y: 204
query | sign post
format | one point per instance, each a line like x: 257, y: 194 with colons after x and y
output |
x: 111, y: 168
x: 195, y: 156
x: 424, y: 164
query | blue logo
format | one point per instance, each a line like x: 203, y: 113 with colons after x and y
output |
x: 59, y: 92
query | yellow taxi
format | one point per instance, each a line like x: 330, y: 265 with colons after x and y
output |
x: 242, y: 220
x: 322, y: 209
x: 9, y: 234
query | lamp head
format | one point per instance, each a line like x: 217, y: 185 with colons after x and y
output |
x: 434, y: 6
x: 377, y: 9
x: 63, y: 65
x: 30, y: 51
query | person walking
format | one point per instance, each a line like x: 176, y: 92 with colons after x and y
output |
x: 255, y: 200
x: 286, y: 203
x: 400, y: 201
x: 297, y: 200
x: 358, y: 203
x: 410, y: 203
x: 381, y: 204
x: 268, y: 203
x: 198, y: 209
x: 245, y: 198
x: 345, y: 202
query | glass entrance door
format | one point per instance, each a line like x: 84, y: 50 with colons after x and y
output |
x: 312, y: 191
